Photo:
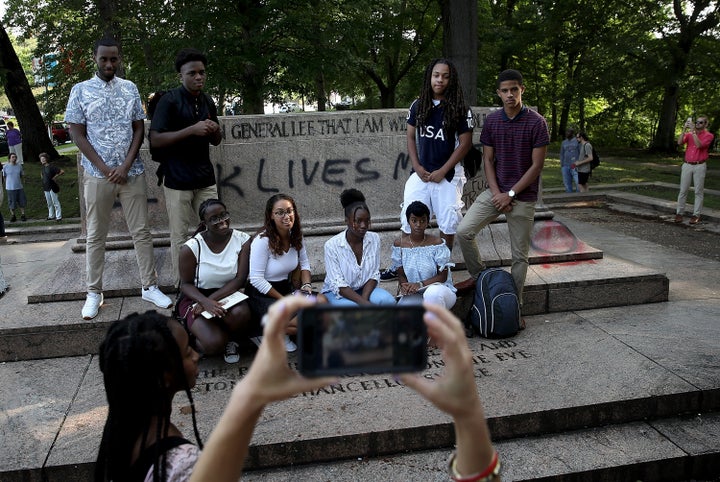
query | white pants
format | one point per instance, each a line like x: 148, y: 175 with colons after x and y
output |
x: 53, y: 204
x: 444, y: 199
x: 437, y: 294
x: 17, y: 149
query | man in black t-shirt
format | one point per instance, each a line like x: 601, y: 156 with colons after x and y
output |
x: 183, y: 126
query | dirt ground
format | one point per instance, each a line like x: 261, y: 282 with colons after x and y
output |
x: 690, y: 239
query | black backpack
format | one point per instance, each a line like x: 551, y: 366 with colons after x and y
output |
x: 595, y: 159
x: 496, y: 309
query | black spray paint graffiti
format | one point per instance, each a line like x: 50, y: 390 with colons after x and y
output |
x: 331, y: 172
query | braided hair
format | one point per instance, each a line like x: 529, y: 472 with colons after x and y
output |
x: 136, y: 356
x: 352, y: 200
x: 455, y: 108
x: 270, y: 230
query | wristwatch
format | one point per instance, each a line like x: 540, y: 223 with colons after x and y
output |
x: 511, y: 193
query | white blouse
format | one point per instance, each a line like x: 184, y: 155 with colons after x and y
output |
x: 342, y: 268
x: 266, y: 266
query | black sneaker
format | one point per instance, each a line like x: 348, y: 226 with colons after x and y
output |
x: 13, y: 219
x: 388, y: 274
x: 23, y: 218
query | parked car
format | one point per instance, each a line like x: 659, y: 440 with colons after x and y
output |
x: 4, y: 149
x: 289, y: 107
x: 60, y: 133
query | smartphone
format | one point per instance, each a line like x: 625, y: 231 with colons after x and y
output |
x: 340, y: 340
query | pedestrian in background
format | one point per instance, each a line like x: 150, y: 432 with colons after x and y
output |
x: 698, y: 141
x: 49, y: 174
x: 568, y: 155
x: 585, y: 157
x: 13, y: 174
x: 14, y: 140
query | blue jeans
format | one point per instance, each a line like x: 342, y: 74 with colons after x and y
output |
x: 379, y: 296
x: 569, y: 176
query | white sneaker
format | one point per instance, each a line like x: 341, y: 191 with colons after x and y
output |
x: 232, y: 355
x: 157, y: 297
x: 289, y: 345
x: 92, y: 305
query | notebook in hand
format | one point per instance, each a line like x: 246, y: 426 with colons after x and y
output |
x: 228, y: 302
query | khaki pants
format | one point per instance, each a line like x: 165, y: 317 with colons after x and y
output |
x: 695, y: 174
x: 182, y: 208
x: 520, y: 223
x: 100, y: 196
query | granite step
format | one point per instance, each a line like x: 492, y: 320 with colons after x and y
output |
x: 47, y: 328
x: 673, y: 449
x: 608, y: 378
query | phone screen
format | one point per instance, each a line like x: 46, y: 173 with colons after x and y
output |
x: 353, y: 340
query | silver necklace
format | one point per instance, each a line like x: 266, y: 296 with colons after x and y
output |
x: 412, y: 245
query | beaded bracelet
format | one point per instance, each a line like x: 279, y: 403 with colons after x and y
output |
x: 488, y: 475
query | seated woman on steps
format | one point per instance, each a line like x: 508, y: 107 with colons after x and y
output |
x: 214, y: 264
x: 276, y: 252
x: 422, y: 262
x: 352, y: 258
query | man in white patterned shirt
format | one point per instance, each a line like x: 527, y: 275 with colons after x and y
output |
x: 106, y: 120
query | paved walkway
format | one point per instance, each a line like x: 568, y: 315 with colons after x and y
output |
x: 616, y: 362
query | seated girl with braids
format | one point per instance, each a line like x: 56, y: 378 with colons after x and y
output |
x: 145, y: 360
x: 214, y: 264
x: 422, y: 262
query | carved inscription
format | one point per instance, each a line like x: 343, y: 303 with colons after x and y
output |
x: 486, y: 355
x: 278, y: 128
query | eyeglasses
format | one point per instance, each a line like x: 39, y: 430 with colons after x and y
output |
x: 281, y: 213
x: 220, y: 218
x: 700, y: 122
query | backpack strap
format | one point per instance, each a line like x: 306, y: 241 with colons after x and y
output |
x: 142, y: 465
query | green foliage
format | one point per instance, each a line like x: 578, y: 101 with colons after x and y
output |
x: 605, y: 67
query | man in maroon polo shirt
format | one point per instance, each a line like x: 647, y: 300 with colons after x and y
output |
x: 515, y: 141
x: 698, y: 141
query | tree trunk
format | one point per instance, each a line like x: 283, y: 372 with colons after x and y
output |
x: 665, y: 140
x: 34, y: 132
x: 320, y: 92
x: 460, y: 42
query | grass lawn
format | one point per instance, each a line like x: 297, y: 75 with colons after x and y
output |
x: 629, y: 167
x: 36, y: 210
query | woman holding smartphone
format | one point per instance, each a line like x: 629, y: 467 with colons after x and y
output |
x: 352, y: 258
x: 422, y: 262
x: 270, y: 379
